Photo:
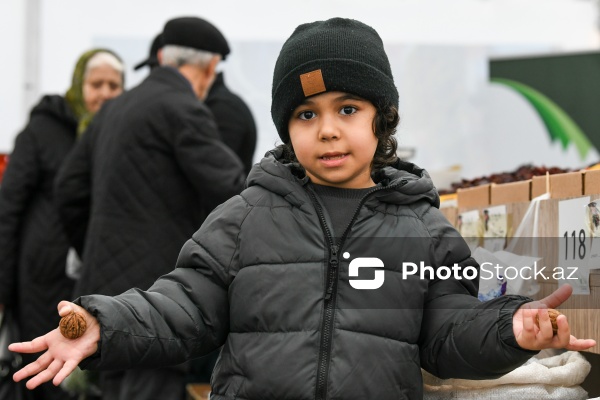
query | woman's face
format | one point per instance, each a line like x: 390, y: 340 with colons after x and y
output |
x: 100, y: 84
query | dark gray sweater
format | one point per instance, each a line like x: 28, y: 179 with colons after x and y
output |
x: 340, y: 205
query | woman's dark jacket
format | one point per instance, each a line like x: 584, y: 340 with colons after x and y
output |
x: 33, y: 246
x: 146, y: 173
x: 262, y: 277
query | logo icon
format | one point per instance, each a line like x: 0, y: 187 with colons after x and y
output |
x: 365, y: 262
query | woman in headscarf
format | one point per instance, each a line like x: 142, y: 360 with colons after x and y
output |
x: 33, y: 246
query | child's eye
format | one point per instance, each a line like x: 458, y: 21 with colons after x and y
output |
x: 348, y: 110
x: 306, y: 115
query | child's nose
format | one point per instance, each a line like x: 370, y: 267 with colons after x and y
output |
x: 328, y: 129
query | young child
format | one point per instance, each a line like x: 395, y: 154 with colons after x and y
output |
x: 271, y: 274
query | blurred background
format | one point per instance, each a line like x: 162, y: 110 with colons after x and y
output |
x: 455, y: 121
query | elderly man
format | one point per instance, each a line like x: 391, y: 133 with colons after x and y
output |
x: 143, y: 178
x: 233, y: 116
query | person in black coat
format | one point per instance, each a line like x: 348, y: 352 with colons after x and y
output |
x: 238, y: 131
x: 233, y: 116
x: 234, y: 120
x: 145, y: 175
x: 33, y: 245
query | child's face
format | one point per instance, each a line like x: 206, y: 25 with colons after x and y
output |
x: 333, y: 138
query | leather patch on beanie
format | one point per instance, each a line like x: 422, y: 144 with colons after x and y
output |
x: 312, y: 83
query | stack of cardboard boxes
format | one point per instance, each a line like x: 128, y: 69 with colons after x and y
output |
x: 507, y: 209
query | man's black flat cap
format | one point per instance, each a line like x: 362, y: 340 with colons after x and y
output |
x: 196, y: 33
x: 152, y: 60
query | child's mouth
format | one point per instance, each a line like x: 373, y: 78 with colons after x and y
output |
x: 333, y: 157
x: 333, y: 160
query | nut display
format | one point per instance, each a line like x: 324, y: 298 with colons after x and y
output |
x: 553, y: 314
x: 522, y: 173
x: 72, y: 325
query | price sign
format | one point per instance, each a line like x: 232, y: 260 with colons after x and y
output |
x: 574, y: 245
x: 469, y: 226
x: 494, y: 228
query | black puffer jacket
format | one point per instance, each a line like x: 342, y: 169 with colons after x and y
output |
x: 262, y: 277
x: 147, y: 172
x: 33, y: 246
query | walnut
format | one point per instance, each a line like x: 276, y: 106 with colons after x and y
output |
x: 72, y: 325
x: 553, y: 314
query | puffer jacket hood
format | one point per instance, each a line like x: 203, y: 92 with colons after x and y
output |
x: 56, y: 107
x: 404, y: 182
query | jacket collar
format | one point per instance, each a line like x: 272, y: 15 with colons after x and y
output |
x: 406, y: 183
x: 401, y: 183
x: 172, y: 77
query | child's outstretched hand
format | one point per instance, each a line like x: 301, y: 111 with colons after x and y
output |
x: 62, y: 355
x: 531, y: 337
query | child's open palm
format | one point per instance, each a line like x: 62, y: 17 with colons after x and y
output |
x: 62, y: 355
x: 531, y: 337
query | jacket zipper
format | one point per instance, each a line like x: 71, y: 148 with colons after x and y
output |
x: 331, y: 284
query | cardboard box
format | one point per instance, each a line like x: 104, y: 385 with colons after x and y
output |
x: 513, y: 192
x: 448, y: 207
x: 566, y: 185
x: 451, y: 214
x: 448, y: 198
x: 591, y: 182
x: 478, y: 196
x: 540, y: 185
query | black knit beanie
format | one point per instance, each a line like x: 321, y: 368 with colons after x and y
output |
x: 339, y: 54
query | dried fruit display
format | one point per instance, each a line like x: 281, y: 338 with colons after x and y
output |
x: 72, y: 325
x: 522, y: 173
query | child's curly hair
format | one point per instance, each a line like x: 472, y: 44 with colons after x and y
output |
x: 384, y: 125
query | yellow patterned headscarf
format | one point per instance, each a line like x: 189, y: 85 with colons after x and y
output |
x: 74, y: 95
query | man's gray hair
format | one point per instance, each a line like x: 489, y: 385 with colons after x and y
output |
x: 177, y: 56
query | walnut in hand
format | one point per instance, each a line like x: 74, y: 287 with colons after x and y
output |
x: 553, y: 314
x: 72, y: 325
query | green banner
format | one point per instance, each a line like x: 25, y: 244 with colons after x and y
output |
x: 563, y: 89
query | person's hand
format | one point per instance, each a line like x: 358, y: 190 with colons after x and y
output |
x: 531, y: 337
x: 62, y: 355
